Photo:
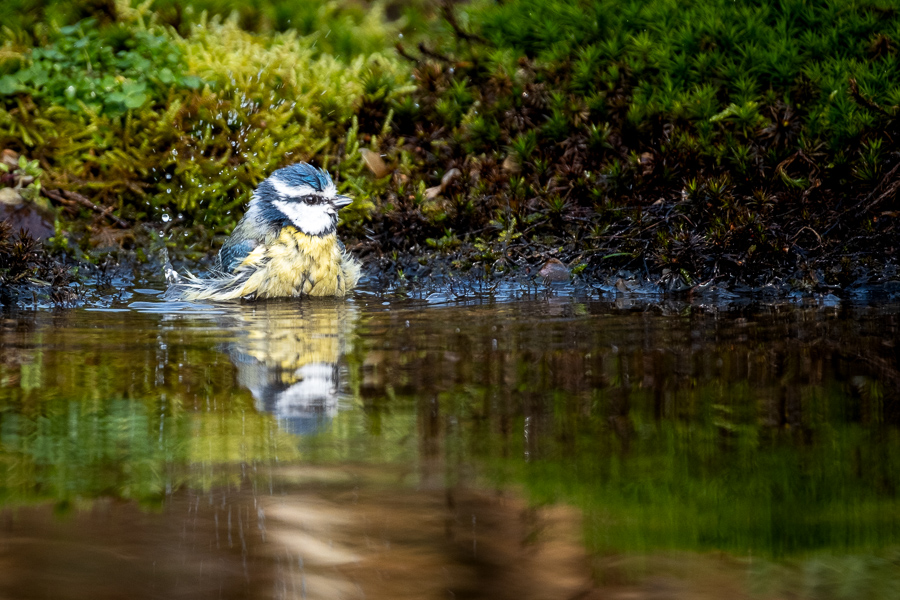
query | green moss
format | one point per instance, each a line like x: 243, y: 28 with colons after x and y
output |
x: 603, y: 105
x: 164, y: 127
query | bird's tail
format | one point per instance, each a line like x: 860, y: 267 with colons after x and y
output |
x: 219, y: 287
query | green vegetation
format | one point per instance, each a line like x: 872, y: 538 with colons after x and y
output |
x: 96, y: 75
x: 687, y: 141
x: 67, y: 450
x: 170, y: 128
x: 107, y: 423
x: 741, y: 141
x: 662, y: 452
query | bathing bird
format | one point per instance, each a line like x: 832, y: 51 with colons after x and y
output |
x: 285, y: 245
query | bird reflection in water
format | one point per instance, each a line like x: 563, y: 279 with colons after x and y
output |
x: 288, y: 355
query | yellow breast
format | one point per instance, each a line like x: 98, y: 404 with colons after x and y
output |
x: 296, y: 264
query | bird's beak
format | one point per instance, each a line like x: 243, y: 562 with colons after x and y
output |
x: 341, y: 201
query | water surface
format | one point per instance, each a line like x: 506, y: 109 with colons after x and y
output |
x: 551, y: 447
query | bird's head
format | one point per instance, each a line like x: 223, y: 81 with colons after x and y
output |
x: 300, y: 195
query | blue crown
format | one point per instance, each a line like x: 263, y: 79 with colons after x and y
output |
x: 304, y: 174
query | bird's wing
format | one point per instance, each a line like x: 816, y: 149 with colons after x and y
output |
x: 232, y: 255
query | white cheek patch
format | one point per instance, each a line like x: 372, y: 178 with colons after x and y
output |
x: 298, y: 191
x: 313, y: 220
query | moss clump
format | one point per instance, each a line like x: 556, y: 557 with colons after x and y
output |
x: 177, y: 129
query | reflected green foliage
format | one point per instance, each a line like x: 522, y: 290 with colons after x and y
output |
x: 125, y: 425
x: 775, y: 449
x: 830, y: 577
x: 714, y: 478
x: 75, y: 451
x: 80, y: 451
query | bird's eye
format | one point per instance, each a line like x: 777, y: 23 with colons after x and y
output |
x: 310, y: 199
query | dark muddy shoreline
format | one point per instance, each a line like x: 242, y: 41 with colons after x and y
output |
x: 43, y: 279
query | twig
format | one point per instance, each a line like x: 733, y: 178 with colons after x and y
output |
x: 402, y: 52
x: 796, y: 235
x: 872, y: 199
x: 67, y: 197
x: 857, y: 95
x: 450, y: 16
x: 891, y: 190
x: 433, y: 53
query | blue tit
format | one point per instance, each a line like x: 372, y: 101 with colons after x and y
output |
x: 286, y: 244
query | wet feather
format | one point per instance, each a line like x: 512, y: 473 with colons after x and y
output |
x: 286, y: 244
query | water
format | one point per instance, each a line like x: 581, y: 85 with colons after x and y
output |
x: 377, y: 448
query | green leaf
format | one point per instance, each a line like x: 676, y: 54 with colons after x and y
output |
x: 115, y: 98
x: 616, y: 254
x: 8, y: 85
x: 134, y: 87
x: 36, y: 75
x: 135, y: 100
x: 191, y: 81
